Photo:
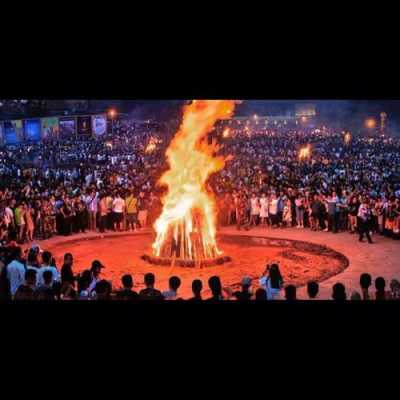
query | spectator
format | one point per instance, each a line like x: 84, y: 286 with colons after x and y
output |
x: 355, y: 296
x: 84, y: 281
x: 214, y: 283
x: 338, y: 292
x: 197, y: 287
x: 365, y: 283
x: 46, y: 266
x: 126, y: 293
x: 46, y: 291
x: 395, y: 289
x: 381, y: 293
x: 16, y: 271
x: 290, y: 292
x: 172, y: 293
x: 95, y: 272
x: 312, y: 290
x: 150, y: 293
x: 67, y: 274
x: 26, y: 291
x: 103, y: 290
x: 261, y: 294
x: 272, y: 281
x: 245, y: 293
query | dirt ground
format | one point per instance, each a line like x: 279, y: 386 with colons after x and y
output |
x: 299, y: 261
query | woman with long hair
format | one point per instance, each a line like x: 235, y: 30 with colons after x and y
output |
x: 272, y: 281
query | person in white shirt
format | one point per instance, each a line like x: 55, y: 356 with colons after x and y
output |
x: 118, y: 208
x: 46, y: 259
x: 91, y: 201
x: 16, y: 271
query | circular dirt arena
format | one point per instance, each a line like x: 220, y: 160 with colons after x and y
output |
x: 299, y: 261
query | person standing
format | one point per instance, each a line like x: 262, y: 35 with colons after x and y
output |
x: 91, y: 201
x: 353, y: 212
x: 118, y: 212
x: 263, y: 209
x: 364, y: 217
x: 30, y: 226
x: 143, y: 210
x: 299, y: 211
x: 15, y: 271
x: 254, y: 209
x: 103, y: 213
x: 131, y: 211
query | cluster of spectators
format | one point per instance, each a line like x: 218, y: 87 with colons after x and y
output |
x: 67, y: 186
x: 35, y: 276
x: 339, y: 186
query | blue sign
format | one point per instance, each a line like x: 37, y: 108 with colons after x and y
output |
x: 32, y: 130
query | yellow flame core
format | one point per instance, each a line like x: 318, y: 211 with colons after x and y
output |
x: 189, y: 207
x: 305, y: 152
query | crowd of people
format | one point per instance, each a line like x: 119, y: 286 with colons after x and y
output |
x: 35, y: 276
x: 69, y: 186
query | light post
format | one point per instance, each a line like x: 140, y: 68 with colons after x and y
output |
x: 112, y: 113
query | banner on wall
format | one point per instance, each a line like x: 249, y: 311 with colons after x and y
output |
x: 99, y: 124
x: 67, y: 127
x: 13, y: 132
x: 50, y: 128
x: 84, y: 125
x: 32, y: 130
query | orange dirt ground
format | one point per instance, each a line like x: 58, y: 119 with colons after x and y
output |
x: 299, y: 261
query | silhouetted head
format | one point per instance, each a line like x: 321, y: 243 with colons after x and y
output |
x: 174, y: 283
x: 127, y: 281
x: 312, y: 289
x: 338, y: 291
x: 261, y: 294
x: 214, y: 283
x: 197, y: 287
x: 149, y: 279
x: 290, y: 292
x: 365, y: 281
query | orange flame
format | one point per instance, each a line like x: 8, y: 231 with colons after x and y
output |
x: 305, y: 152
x: 189, y: 207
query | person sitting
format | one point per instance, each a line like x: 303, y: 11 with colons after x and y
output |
x: 214, y: 283
x: 355, y: 296
x: 244, y: 294
x: 45, y: 291
x: 381, y: 293
x: 26, y: 291
x: 95, y: 272
x: 103, y: 290
x: 261, y: 294
x: 339, y: 292
x: 272, y: 281
x: 312, y: 290
x: 197, y: 287
x: 172, y: 293
x: 365, y: 283
x: 290, y: 292
x: 84, y: 280
x: 395, y: 289
x: 150, y: 293
x: 126, y: 293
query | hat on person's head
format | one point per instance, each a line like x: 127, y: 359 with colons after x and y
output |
x: 97, y: 264
x: 246, y: 281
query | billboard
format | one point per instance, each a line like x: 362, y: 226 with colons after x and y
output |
x: 67, y: 127
x: 99, y: 124
x: 84, y: 125
x: 13, y: 132
x: 32, y: 130
x: 50, y: 128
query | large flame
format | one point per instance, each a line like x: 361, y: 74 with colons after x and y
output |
x: 189, y: 210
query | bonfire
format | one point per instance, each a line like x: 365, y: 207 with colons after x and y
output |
x: 186, y: 228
